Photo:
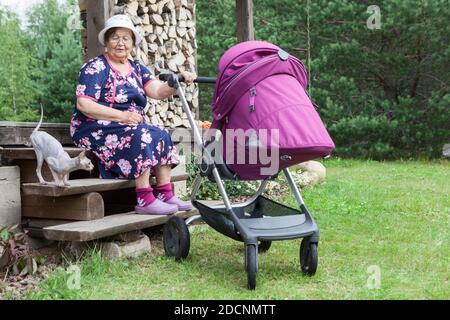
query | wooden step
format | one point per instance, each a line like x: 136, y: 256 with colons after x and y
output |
x: 25, y: 158
x: 107, y: 226
x: 79, y: 186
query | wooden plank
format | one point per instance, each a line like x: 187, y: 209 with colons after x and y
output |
x: 28, y: 171
x: 28, y: 153
x: 77, y: 186
x: 107, y: 226
x: 88, y: 206
x: 42, y: 223
x: 80, y: 186
x: 32, y: 125
x: 34, y: 226
x: 244, y: 18
x: 18, y: 133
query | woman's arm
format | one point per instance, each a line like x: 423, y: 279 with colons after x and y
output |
x: 160, y: 90
x: 97, y: 111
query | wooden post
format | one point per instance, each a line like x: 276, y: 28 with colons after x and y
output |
x: 244, y: 18
x: 10, y: 207
x: 98, y: 11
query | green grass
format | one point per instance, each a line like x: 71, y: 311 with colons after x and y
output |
x: 392, y: 215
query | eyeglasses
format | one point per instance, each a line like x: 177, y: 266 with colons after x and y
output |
x: 115, y: 40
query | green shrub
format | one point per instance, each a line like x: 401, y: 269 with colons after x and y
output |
x: 209, y: 191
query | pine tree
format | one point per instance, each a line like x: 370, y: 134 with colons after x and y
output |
x: 59, y: 50
x: 17, y: 90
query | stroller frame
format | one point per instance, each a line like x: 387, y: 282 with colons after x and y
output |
x: 257, y: 221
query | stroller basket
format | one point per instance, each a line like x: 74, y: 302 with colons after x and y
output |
x: 265, y: 218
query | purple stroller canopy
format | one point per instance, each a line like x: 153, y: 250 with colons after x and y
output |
x: 244, y: 65
x: 260, y: 103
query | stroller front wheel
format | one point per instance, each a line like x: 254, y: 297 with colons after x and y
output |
x: 308, y: 257
x: 251, y: 265
x: 176, y: 238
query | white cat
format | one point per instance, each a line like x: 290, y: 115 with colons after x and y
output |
x: 60, y: 163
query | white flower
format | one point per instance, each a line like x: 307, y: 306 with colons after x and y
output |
x: 125, y: 166
x: 80, y: 90
x: 146, y: 137
x: 133, y: 82
x: 111, y: 141
x: 95, y: 67
x: 97, y: 134
x: 121, y: 97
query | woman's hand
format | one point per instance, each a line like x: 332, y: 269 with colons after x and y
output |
x: 189, y: 77
x: 159, y: 90
x: 131, y: 117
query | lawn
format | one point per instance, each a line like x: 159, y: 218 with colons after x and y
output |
x: 385, y: 217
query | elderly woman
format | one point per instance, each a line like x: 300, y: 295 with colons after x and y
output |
x: 109, y: 119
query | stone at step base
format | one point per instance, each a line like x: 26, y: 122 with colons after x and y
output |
x: 117, y: 250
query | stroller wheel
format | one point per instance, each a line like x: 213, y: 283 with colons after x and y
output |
x: 251, y: 265
x: 308, y: 257
x: 264, y: 245
x: 176, y: 238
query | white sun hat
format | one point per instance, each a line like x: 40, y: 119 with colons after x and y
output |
x: 119, y: 21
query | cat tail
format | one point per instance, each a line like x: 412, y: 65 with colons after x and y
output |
x: 40, y: 121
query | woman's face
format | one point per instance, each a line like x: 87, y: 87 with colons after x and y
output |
x: 120, y: 43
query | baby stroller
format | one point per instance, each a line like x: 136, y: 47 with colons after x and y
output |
x: 260, y: 92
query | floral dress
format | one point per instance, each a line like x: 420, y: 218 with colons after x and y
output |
x: 124, y: 151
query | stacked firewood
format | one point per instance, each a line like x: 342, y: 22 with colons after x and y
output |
x: 168, y: 45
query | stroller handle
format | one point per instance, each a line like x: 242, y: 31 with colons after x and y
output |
x: 166, y: 76
x: 206, y: 80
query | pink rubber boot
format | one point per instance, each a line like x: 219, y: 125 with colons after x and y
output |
x: 148, y: 204
x: 164, y: 193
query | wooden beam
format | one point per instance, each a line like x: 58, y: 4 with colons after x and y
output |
x: 29, y: 154
x: 28, y: 171
x: 87, y: 206
x: 107, y: 226
x: 98, y: 11
x: 80, y: 186
x: 244, y: 18
x: 18, y: 133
